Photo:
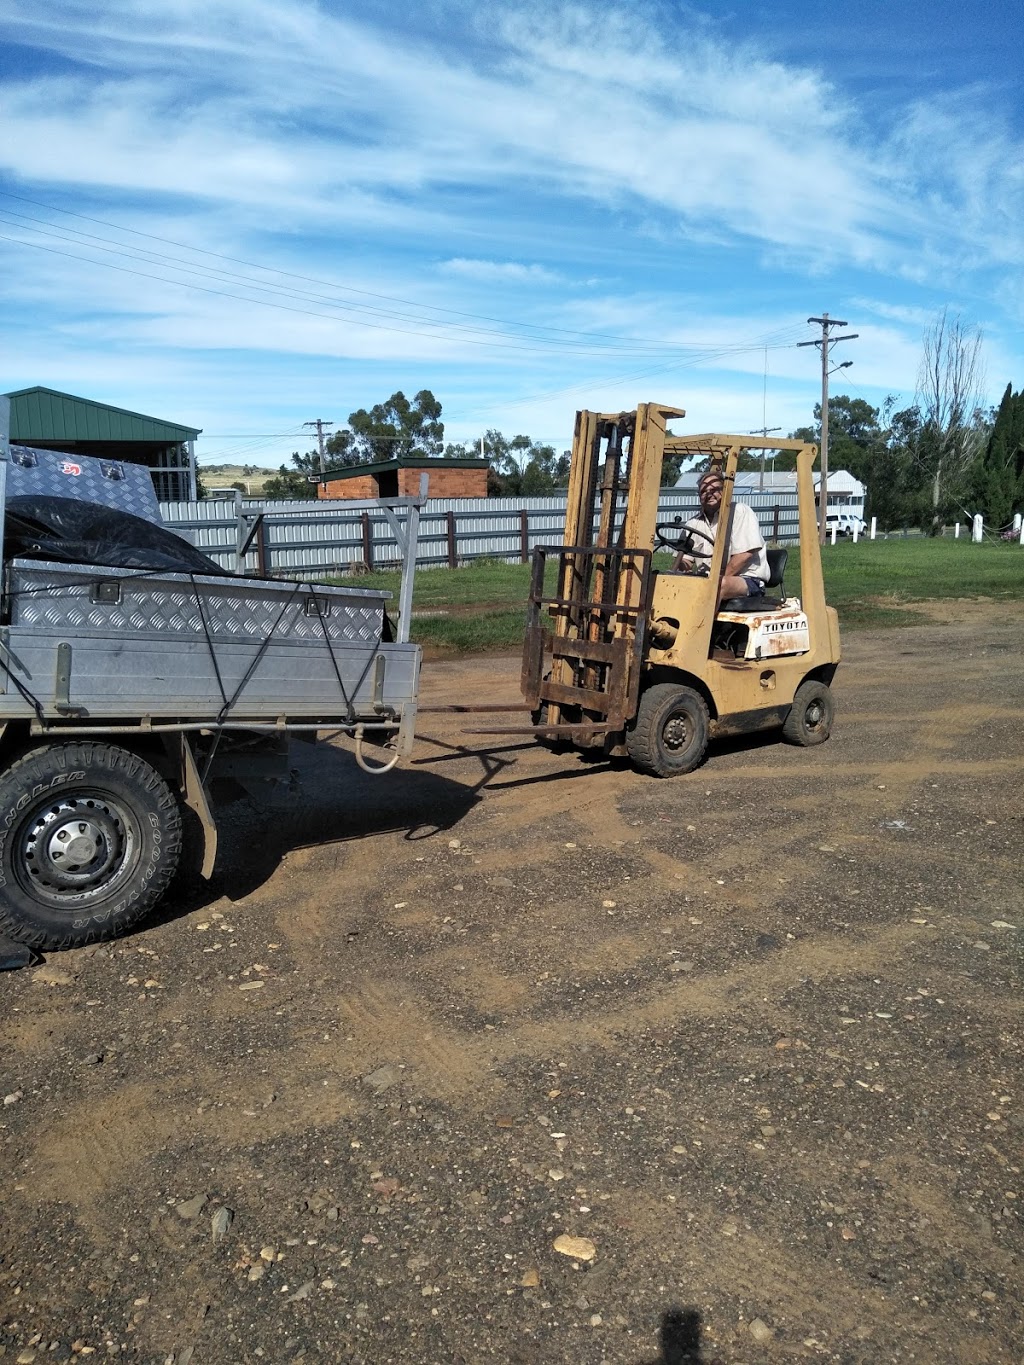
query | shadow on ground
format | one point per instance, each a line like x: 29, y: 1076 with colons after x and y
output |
x: 332, y: 800
x: 681, y: 1339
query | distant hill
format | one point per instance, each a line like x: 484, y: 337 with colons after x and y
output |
x: 252, y: 477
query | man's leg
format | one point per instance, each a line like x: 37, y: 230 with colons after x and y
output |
x: 733, y: 587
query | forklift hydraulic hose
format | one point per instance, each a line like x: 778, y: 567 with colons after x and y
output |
x: 375, y: 770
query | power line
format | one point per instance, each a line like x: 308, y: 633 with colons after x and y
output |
x: 267, y: 303
x: 710, y: 355
x: 422, y: 333
x: 90, y: 242
x: 163, y: 261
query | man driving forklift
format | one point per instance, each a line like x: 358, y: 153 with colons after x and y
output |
x: 622, y: 656
x: 746, y: 570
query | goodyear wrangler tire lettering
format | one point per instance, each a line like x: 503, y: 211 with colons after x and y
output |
x: 89, y: 843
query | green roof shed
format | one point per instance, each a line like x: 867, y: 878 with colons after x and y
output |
x: 59, y: 421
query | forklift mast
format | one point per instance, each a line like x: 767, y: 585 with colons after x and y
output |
x: 592, y: 625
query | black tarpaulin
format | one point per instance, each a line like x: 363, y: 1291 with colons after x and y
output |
x: 69, y: 531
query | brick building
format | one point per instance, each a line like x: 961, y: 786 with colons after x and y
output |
x: 400, y: 478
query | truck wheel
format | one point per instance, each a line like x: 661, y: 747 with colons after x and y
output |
x: 810, y: 717
x: 670, y: 733
x: 90, y: 837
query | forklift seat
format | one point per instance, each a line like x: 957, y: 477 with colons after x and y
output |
x: 776, y: 568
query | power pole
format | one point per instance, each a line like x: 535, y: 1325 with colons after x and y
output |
x: 321, y: 426
x: 826, y: 343
x: 762, y: 431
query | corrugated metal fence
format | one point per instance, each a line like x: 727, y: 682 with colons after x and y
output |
x: 317, y: 539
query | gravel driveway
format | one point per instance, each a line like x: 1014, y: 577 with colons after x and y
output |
x: 515, y: 1057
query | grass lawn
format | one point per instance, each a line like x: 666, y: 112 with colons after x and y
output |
x: 873, y: 583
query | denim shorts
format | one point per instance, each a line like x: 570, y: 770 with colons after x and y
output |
x: 755, y: 586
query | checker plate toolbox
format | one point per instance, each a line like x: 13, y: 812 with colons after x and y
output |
x: 107, y: 643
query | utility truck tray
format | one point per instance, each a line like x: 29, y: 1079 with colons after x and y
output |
x: 140, y: 681
x: 107, y: 643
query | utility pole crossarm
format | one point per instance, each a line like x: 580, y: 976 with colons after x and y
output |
x: 763, y: 432
x: 321, y: 427
x: 826, y: 342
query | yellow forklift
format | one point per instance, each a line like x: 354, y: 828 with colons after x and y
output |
x: 627, y: 659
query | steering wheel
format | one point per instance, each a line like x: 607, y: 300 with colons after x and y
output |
x: 682, y: 542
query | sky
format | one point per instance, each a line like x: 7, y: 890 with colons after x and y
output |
x: 244, y: 215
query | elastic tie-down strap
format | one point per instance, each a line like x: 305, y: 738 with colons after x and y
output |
x: 223, y: 713
x: 350, y: 704
x: 220, y: 683
x: 26, y: 695
x: 350, y: 709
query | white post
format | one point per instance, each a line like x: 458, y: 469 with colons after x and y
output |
x: 874, y: 526
x: 956, y: 531
x: 856, y: 530
x: 1016, y: 521
x: 1022, y: 533
x: 977, y: 528
x: 834, y: 529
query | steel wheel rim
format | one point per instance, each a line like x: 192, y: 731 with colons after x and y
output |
x: 76, y: 850
x: 815, y: 714
x: 677, y: 731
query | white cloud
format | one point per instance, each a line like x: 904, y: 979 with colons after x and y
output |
x: 499, y: 272
x: 218, y: 101
x: 598, y: 169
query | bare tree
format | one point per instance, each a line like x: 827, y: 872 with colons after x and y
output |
x: 949, y: 387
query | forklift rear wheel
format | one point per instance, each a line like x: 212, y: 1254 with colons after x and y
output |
x: 90, y: 837
x: 670, y: 733
x: 810, y: 717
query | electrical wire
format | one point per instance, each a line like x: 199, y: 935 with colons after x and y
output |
x: 549, y: 336
x: 309, y: 279
x: 555, y: 337
x: 638, y: 374
x: 529, y: 338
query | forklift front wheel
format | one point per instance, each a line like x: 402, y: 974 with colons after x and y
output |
x: 810, y: 718
x: 670, y: 733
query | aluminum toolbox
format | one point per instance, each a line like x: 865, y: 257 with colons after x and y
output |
x: 97, y: 649
x: 104, y: 643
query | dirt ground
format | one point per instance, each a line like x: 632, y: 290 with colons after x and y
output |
x: 752, y: 1036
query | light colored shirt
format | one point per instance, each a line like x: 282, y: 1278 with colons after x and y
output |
x: 746, y: 538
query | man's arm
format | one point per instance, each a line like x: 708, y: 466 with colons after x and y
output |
x: 746, y: 533
x: 696, y: 556
x: 739, y: 563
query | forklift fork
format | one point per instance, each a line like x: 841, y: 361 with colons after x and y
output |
x: 597, y: 646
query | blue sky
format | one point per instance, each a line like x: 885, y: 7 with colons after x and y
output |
x: 245, y: 214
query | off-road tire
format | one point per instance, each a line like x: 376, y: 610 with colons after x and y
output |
x: 811, y: 715
x: 670, y: 733
x: 90, y: 837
